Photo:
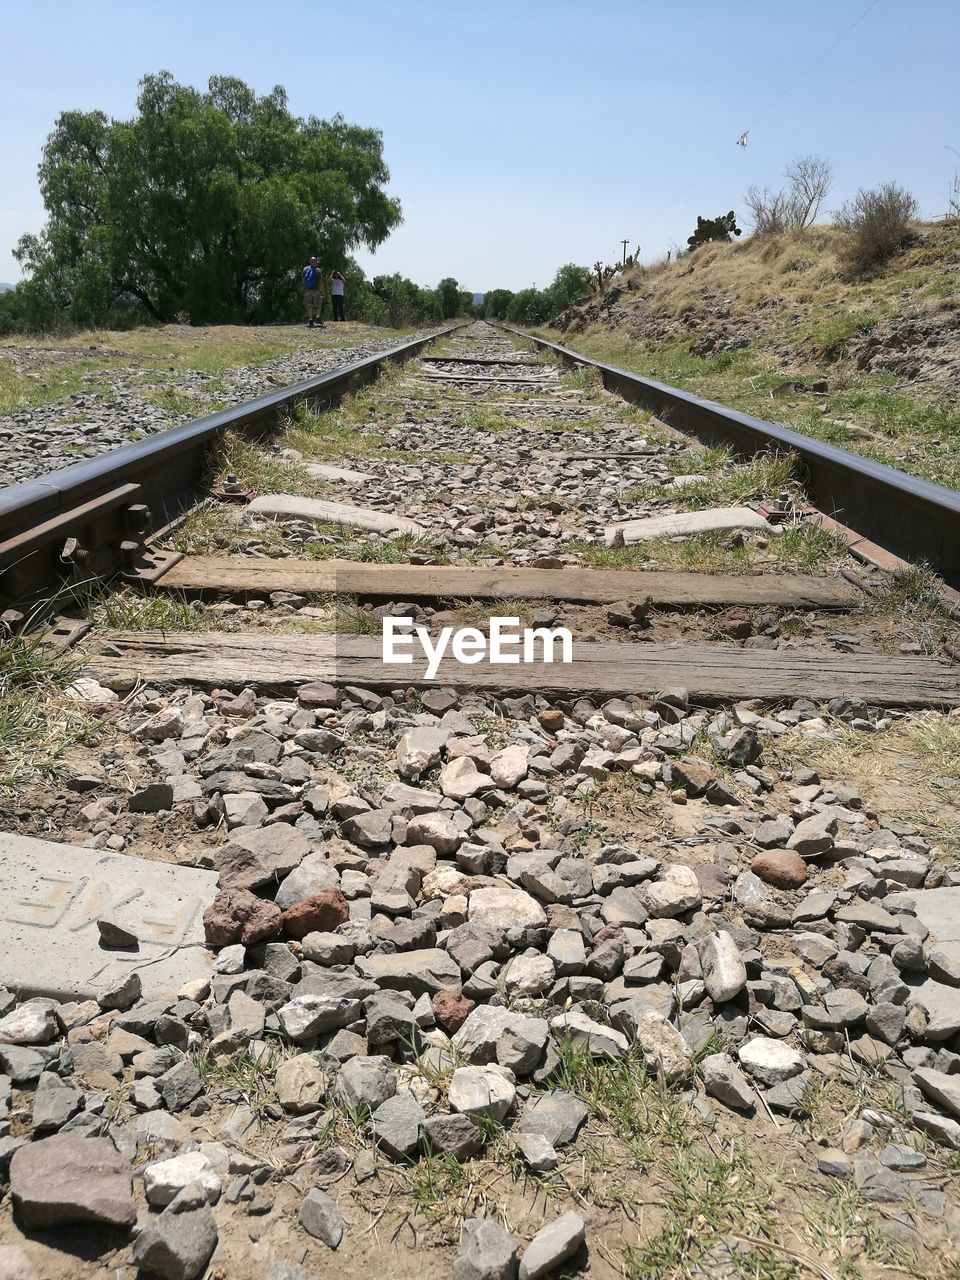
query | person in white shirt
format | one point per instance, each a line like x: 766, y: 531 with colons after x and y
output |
x: 336, y: 295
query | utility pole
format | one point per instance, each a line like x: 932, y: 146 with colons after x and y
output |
x: 624, y: 243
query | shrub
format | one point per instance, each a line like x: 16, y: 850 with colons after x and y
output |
x: 709, y: 229
x: 875, y: 224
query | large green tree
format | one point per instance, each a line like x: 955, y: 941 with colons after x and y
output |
x: 205, y: 204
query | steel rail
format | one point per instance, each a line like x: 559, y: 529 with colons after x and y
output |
x: 92, y: 518
x: 914, y: 519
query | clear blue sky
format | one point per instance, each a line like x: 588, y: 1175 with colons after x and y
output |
x: 522, y: 134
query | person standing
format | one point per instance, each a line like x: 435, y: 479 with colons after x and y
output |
x: 336, y: 295
x: 313, y: 293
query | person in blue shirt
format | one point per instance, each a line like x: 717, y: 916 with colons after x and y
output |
x: 313, y: 293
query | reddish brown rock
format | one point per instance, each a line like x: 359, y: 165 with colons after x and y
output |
x: 318, y: 694
x: 736, y: 626
x: 450, y: 1008
x: 694, y: 776
x: 551, y: 718
x: 68, y: 1178
x: 320, y: 913
x: 783, y: 868
x: 236, y: 915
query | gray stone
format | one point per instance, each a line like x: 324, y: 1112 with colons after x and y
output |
x: 552, y: 1245
x: 486, y: 1252
x: 724, y: 973
x: 455, y: 1133
x: 396, y: 1125
x: 814, y: 835
x: 482, y: 1091
x: 941, y: 1005
x: 300, y: 1084
x: 663, y: 1046
x: 180, y: 1085
x: 320, y: 1217
x: 420, y: 972
x: 165, y: 1179
x: 305, y: 1017
x: 178, y: 1244
x: 537, y: 1150
x: 899, y: 1157
x: 557, y: 1116
x: 770, y: 1061
x: 601, y: 1040
x: 54, y: 1102
x: 724, y: 1080
x: 366, y: 1082
x: 55, y: 895
x: 942, y: 1088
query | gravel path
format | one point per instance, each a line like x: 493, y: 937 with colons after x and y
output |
x: 36, y: 441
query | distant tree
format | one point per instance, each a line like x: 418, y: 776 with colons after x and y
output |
x: 798, y: 205
x: 448, y: 295
x: 404, y: 302
x: 496, y: 302
x: 205, y: 204
x: 530, y: 306
x: 708, y: 229
x: 465, y: 303
x: 13, y: 311
x: 570, y: 283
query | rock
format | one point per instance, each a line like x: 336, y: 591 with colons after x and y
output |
x: 868, y: 915
x: 455, y: 1133
x: 236, y: 915
x: 262, y: 856
x: 783, y: 868
x: 531, y: 974
x: 556, y: 1116
x: 300, y: 1084
x: 178, y: 1244
x: 437, y: 831
x: 287, y: 1271
x: 724, y: 972
x: 770, y: 1061
x: 451, y: 1009
x: 486, y: 1252
x: 505, y: 908
x: 180, y: 1085
x: 552, y: 1245
x: 537, y: 1151
x: 366, y: 1082
x: 482, y: 1091
x: 899, y: 1157
x: 66, y: 1179
x: 663, y: 1046
x: 601, y: 1040
x: 122, y: 993
x: 419, y: 750
x: 320, y: 1217
x: 320, y: 913
x: 814, y: 835
x: 494, y: 1034
x: 724, y: 1080
x: 835, y: 1163
x: 165, y: 1179
x: 30, y: 1023
x: 460, y: 779
x: 942, y: 1088
x: 305, y: 1017
x: 151, y: 798
x: 677, y: 891
x: 420, y: 972
x: 508, y: 768
x: 396, y: 1125
x: 15, y: 1264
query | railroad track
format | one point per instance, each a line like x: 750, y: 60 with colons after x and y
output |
x: 724, y: 823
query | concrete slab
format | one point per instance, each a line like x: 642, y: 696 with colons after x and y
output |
x: 53, y: 895
x: 323, y: 471
x: 287, y: 506
x: 685, y: 524
x: 939, y: 910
